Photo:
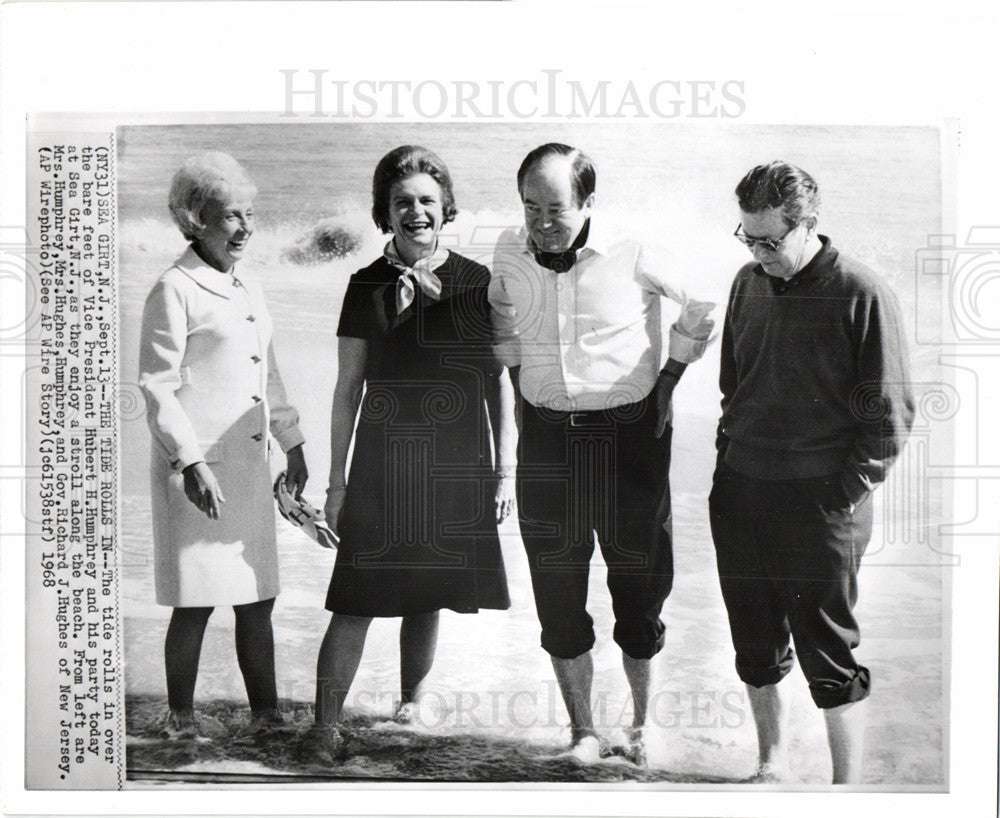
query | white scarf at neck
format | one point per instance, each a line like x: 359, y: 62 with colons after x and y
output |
x: 421, y: 273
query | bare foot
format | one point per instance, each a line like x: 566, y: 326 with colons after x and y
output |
x: 264, y: 726
x: 182, y: 725
x: 320, y: 744
x: 636, y: 749
x: 405, y: 713
x: 585, y: 750
x: 770, y: 774
x: 266, y: 720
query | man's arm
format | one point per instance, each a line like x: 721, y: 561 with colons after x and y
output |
x: 727, y: 384
x: 728, y: 379
x: 883, y: 399
x: 689, y: 336
x: 663, y: 392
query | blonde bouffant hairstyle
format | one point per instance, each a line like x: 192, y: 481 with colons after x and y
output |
x: 205, y: 177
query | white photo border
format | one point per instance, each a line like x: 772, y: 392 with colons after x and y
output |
x: 796, y: 66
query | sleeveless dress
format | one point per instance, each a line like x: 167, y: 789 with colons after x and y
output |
x: 418, y: 529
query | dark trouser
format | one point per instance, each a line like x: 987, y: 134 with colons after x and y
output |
x: 788, y: 554
x: 602, y: 471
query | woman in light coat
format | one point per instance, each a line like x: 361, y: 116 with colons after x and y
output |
x: 213, y: 392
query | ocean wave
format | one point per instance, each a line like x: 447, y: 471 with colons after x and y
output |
x: 302, y: 242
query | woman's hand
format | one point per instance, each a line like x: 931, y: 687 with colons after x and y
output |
x: 296, y: 472
x: 333, y: 506
x: 202, y: 489
x: 506, y: 497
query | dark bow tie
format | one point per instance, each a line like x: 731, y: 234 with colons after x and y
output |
x: 561, y: 262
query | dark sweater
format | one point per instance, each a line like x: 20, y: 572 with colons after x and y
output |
x: 814, y: 375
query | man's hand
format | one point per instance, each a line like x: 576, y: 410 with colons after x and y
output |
x: 333, y: 506
x: 851, y: 490
x: 296, y: 473
x: 202, y: 489
x: 663, y: 394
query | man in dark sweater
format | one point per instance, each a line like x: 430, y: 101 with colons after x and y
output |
x: 816, y: 404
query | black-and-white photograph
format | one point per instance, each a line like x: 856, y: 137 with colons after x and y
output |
x: 423, y: 345
x: 586, y: 406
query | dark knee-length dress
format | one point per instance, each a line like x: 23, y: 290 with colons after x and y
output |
x: 418, y: 529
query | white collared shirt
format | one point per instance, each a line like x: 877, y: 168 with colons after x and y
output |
x: 589, y: 338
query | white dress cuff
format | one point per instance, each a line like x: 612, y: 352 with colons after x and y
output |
x: 684, y: 349
x: 289, y: 438
x: 185, y: 457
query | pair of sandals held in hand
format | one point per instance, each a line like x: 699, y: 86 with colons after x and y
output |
x: 300, y: 513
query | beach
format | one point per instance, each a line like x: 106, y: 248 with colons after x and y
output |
x: 494, y: 709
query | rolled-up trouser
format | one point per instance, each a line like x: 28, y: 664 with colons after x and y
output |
x: 788, y: 554
x: 604, y: 471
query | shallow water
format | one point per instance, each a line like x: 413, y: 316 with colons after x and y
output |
x: 492, y: 687
x: 496, y: 703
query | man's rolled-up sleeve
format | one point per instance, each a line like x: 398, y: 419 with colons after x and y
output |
x: 687, y: 349
x: 691, y: 333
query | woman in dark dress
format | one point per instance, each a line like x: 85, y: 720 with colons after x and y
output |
x: 418, y: 517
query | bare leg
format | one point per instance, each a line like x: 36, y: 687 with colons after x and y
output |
x: 770, y: 714
x: 417, y: 644
x: 575, y: 677
x: 637, y: 671
x: 255, y: 654
x: 181, y: 652
x: 845, y: 730
x: 339, y: 657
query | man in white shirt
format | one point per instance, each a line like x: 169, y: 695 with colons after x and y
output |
x: 578, y: 321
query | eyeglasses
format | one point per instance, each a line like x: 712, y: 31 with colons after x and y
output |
x: 767, y: 244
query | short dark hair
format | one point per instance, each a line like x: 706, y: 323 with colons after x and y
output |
x: 779, y: 184
x: 400, y: 163
x: 584, y: 172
